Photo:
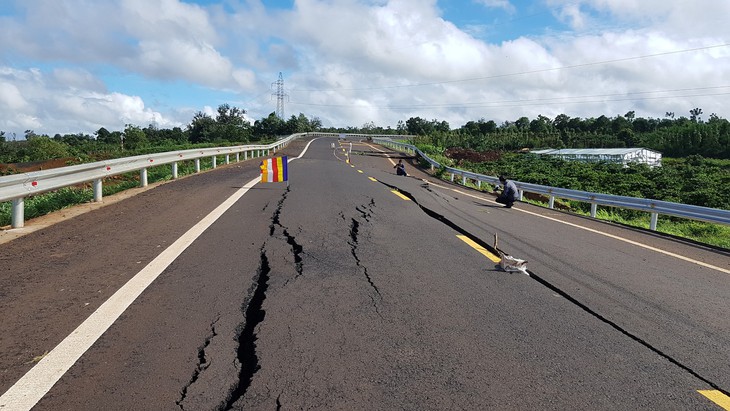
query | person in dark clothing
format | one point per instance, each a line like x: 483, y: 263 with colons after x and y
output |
x: 509, y: 194
x: 400, y: 168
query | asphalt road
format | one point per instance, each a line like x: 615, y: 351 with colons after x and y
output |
x: 334, y: 292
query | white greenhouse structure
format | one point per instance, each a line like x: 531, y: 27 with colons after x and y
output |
x: 609, y: 155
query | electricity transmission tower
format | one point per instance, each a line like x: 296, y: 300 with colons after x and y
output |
x: 280, y: 96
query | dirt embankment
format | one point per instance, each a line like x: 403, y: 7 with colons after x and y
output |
x: 17, y: 168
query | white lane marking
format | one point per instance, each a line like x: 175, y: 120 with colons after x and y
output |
x: 305, y: 149
x: 29, y: 389
x: 382, y: 151
x: 615, y: 237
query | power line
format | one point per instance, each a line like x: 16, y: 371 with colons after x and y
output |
x: 598, y: 98
x: 521, y: 73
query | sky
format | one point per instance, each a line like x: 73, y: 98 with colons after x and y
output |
x: 74, y: 66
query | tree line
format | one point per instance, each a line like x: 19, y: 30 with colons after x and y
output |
x: 673, y: 137
x: 228, y: 126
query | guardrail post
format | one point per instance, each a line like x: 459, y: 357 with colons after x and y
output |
x: 228, y: 159
x: 654, y: 219
x: 479, y: 184
x: 594, y: 209
x: 522, y: 194
x: 238, y: 157
x: 143, y: 177
x: 197, y: 165
x: 452, y: 177
x: 245, y: 155
x: 463, y: 180
x: 97, y: 190
x: 214, y: 160
x: 174, y: 170
x: 17, y: 213
x: 551, y: 203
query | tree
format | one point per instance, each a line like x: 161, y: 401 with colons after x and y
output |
x: 134, y: 137
x: 620, y: 123
x: 230, y: 115
x: 201, y: 128
x: 298, y: 124
x: 601, y: 125
x: 44, y: 148
x: 561, y: 122
x: 540, y: 125
x: 30, y: 135
x: 695, y: 114
x: 104, y: 136
x: 268, y: 127
x: 231, y: 125
x: 522, y: 123
x: 315, y: 123
x: 419, y: 126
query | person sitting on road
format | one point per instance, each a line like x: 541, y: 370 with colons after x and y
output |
x: 400, y: 168
x: 509, y: 194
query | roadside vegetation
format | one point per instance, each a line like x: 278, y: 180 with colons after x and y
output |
x: 695, y: 170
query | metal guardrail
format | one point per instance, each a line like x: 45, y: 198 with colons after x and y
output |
x: 17, y: 187
x: 367, y: 136
x: 654, y: 207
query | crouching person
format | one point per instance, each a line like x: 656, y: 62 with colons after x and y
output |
x: 509, y: 194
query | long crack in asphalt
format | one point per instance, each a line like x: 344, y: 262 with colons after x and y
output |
x: 200, y: 367
x: 365, y: 214
x: 564, y: 294
x: 297, y: 249
x: 253, y: 312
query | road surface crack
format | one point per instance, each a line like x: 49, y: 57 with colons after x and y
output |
x: 563, y: 294
x: 201, y: 366
x: 297, y: 248
x: 353, y: 242
x: 253, y: 314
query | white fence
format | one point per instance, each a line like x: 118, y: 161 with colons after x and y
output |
x: 654, y: 207
x: 17, y: 187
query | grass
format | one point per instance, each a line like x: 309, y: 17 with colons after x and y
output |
x: 36, y: 206
x: 42, y: 204
x: 717, y: 235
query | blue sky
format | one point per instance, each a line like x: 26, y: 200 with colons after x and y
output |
x: 69, y: 66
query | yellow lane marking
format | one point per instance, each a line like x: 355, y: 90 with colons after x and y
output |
x: 479, y: 248
x: 717, y: 397
x: 372, y: 179
x: 359, y: 171
x: 396, y: 192
x: 615, y: 237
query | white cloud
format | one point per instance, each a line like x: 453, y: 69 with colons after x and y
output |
x: 498, y: 4
x: 68, y: 101
x: 10, y: 98
x: 379, y: 60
